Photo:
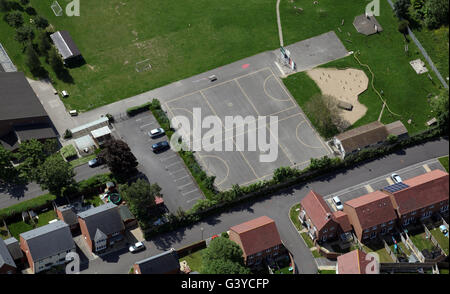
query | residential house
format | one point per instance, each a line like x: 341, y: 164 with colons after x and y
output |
x: 355, y: 262
x: 67, y: 214
x: 371, y: 215
x: 321, y: 222
x: 420, y: 197
x: 7, y: 264
x: 101, y: 226
x: 163, y: 263
x: 127, y: 217
x: 47, y: 246
x: 372, y: 134
x: 22, y: 116
x: 259, y: 239
x: 13, y: 246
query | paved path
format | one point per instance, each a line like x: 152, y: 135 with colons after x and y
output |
x: 424, y: 53
x: 277, y: 208
x: 280, y: 31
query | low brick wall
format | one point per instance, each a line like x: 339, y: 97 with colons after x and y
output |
x: 184, y: 251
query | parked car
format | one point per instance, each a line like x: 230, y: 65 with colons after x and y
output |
x: 444, y: 230
x: 139, y: 246
x: 396, y: 178
x: 337, y: 202
x: 95, y: 162
x: 160, y: 146
x: 156, y: 132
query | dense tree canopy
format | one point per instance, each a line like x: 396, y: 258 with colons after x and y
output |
x: 8, y: 174
x: 439, y: 106
x: 119, y: 159
x: 55, y: 174
x: 223, y: 256
x: 140, y: 196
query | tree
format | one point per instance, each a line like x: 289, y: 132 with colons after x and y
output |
x: 24, y: 2
x: 8, y: 174
x: 140, y: 196
x: 30, y: 10
x: 32, y: 154
x: 436, y: 13
x: 43, y: 44
x: 55, y: 174
x: 119, y: 159
x: 403, y: 27
x: 14, y: 19
x: 5, y: 6
x: 439, y: 105
x: 24, y: 34
x: 220, y: 266
x: 32, y: 60
x: 55, y: 61
x: 401, y: 8
x: 223, y: 248
x: 323, y: 118
x: 40, y: 22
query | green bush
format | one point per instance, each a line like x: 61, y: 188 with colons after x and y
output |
x: 132, y: 111
x: 67, y: 134
x: 34, y: 203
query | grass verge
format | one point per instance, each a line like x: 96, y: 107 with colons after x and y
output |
x: 444, y: 162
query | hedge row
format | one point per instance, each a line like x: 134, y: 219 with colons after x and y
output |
x: 284, y: 177
x: 34, y: 203
x: 132, y: 111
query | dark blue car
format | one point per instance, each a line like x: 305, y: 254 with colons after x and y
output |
x: 160, y: 146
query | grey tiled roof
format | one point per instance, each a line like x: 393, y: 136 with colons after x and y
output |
x: 49, y: 240
x: 68, y: 214
x: 14, y: 248
x: 99, y: 235
x: 5, y: 256
x: 105, y: 217
x: 160, y: 264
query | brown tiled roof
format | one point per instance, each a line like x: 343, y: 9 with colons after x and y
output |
x: 363, y: 136
x: 372, y: 209
x: 257, y: 235
x: 423, y: 191
x: 396, y: 128
x: 353, y: 262
x: 342, y: 219
x: 317, y: 209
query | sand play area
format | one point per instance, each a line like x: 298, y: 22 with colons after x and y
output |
x: 344, y: 85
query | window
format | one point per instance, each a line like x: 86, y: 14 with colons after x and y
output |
x: 365, y: 236
x: 414, y: 213
x: 374, y: 228
x: 268, y: 250
x: 332, y: 229
x: 366, y: 231
x: 383, y: 224
x: 444, y: 208
x: 326, y: 230
x: 391, y: 222
x: 431, y: 207
x: 259, y: 254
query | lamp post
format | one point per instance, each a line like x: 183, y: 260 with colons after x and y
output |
x: 201, y: 229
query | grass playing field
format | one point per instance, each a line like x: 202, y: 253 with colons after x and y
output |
x: 185, y: 38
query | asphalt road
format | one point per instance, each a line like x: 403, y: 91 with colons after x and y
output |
x: 276, y: 207
x: 17, y: 194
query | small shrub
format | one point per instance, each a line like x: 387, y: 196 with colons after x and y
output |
x: 14, y: 19
x: 30, y: 10
x: 67, y: 134
x: 403, y: 27
x: 132, y: 111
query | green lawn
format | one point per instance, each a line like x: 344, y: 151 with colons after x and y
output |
x: 442, y: 240
x: 405, y: 91
x: 45, y: 217
x: 28, y: 204
x: 18, y: 228
x: 444, y: 162
x: 326, y: 272
x: 81, y: 160
x: 185, y: 39
x: 384, y: 256
x: 3, y: 233
x: 194, y: 260
x: 293, y: 214
x: 94, y: 200
x: 421, y: 241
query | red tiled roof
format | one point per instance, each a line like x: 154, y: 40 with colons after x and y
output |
x: 317, y: 209
x: 372, y: 209
x: 423, y: 191
x: 257, y: 235
x: 342, y: 219
x: 353, y: 262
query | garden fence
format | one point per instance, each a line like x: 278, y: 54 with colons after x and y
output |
x: 433, y: 240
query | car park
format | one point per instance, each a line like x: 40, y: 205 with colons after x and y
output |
x: 139, y: 246
x: 156, y: 132
x: 160, y: 146
x: 337, y: 202
x: 396, y: 178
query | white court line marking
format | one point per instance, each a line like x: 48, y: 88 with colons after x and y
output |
x: 139, y: 119
x: 184, y: 194
x: 179, y: 179
x: 173, y: 173
x: 427, y: 168
x: 178, y: 162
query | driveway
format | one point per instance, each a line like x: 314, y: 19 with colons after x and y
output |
x: 165, y: 168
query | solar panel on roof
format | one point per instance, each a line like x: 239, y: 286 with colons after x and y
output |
x: 395, y: 187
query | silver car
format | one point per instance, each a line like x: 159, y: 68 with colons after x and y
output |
x: 396, y: 178
x: 337, y: 202
x: 156, y: 132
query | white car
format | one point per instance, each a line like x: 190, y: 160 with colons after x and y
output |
x: 337, y: 202
x: 156, y: 132
x: 136, y: 247
x: 396, y: 178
